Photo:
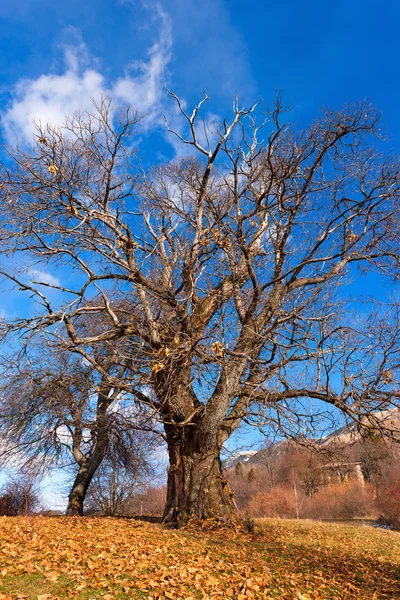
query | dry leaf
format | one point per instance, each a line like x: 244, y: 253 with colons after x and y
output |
x: 52, y: 169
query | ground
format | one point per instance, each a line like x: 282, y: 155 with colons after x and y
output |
x: 48, y: 558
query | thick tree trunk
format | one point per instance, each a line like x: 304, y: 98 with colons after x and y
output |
x: 196, y: 488
x: 77, y: 495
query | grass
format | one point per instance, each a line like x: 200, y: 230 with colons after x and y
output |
x: 49, y: 558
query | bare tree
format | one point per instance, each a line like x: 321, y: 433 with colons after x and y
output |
x: 56, y: 411
x: 122, y: 475
x: 19, y: 496
x: 219, y: 274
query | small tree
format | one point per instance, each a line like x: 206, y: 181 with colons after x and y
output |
x: 251, y: 476
x: 55, y: 408
x: 18, y: 497
x: 375, y: 456
x: 239, y: 469
x: 121, y: 476
x: 148, y: 502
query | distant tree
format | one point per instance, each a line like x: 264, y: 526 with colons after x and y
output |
x: 340, y: 501
x: 18, y: 496
x: 251, y: 476
x: 121, y: 476
x: 148, y: 501
x: 239, y: 469
x: 388, y: 503
x: 385, y: 477
x: 277, y: 502
x: 228, y: 265
x: 302, y: 465
x: 376, y: 453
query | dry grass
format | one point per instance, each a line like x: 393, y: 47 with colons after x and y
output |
x: 92, y: 558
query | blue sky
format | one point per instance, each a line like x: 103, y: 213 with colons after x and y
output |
x: 317, y: 53
x: 56, y: 55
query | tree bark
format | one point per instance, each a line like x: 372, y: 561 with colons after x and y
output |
x: 78, y: 492
x: 196, y: 487
x: 88, y: 465
x: 87, y: 470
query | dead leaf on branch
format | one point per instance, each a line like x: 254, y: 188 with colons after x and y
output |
x: 218, y: 348
x: 52, y: 169
x: 388, y: 376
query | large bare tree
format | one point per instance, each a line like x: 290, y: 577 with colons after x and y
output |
x: 216, y: 275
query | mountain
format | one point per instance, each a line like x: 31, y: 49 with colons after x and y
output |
x: 350, y: 434
x: 243, y: 457
x: 346, y: 441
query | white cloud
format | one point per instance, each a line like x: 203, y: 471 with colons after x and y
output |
x: 142, y: 85
x: 43, y: 277
x: 49, y: 98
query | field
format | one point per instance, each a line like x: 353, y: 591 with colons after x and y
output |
x: 47, y: 558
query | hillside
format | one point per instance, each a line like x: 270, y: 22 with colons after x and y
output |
x: 345, y: 442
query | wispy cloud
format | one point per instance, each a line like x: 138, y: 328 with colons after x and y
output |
x: 207, y: 53
x: 51, y: 97
x: 43, y: 277
x: 213, y: 54
x: 143, y: 83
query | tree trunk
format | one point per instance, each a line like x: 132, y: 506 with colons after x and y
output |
x: 89, y: 464
x: 77, y: 495
x: 196, y: 488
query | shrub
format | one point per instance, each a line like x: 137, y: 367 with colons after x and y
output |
x: 278, y: 502
x: 388, y: 504
x: 344, y: 501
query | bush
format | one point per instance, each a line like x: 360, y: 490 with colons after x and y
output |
x: 344, y: 501
x: 388, y: 504
x: 249, y: 522
x: 278, y: 502
x: 7, y: 508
